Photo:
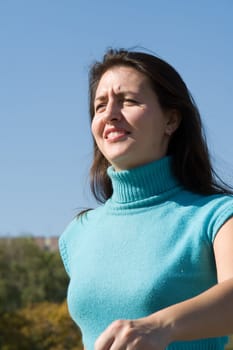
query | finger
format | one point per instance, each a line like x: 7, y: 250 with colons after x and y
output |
x: 104, y: 342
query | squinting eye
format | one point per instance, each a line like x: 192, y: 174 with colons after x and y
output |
x: 99, y: 107
x: 130, y: 101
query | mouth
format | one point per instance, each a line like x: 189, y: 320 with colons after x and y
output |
x: 115, y: 134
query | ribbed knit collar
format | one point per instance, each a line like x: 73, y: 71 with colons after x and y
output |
x: 143, y: 182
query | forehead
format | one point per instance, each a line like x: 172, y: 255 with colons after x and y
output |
x: 121, y: 78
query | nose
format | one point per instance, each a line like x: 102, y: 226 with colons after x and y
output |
x: 112, y: 111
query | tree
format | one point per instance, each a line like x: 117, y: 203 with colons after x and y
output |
x: 29, y: 274
x: 43, y: 326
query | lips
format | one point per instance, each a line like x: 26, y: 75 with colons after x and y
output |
x: 115, y: 133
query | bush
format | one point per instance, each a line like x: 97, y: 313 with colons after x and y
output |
x: 44, y: 326
x: 29, y: 274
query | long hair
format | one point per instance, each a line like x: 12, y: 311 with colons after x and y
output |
x: 188, y: 148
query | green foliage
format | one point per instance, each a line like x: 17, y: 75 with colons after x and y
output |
x: 44, y: 326
x: 33, y: 285
x: 29, y: 274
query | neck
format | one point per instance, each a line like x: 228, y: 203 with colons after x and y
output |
x: 142, y: 182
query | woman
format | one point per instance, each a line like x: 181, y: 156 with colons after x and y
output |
x: 151, y: 268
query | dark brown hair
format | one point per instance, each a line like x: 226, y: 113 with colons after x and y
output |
x: 188, y: 147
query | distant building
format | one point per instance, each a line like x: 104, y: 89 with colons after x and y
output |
x: 47, y: 243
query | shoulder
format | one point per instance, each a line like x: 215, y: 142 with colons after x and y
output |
x: 214, y: 210
x: 221, y: 210
x: 216, y: 206
x: 80, y: 223
x: 205, y: 202
x: 205, y: 213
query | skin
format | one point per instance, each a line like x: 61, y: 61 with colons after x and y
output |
x: 129, y: 126
x: 126, y: 104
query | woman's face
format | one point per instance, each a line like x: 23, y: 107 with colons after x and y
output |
x: 129, y: 126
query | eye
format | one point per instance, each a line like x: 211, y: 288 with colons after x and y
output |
x: 130, y: 101
x: 100, y: 107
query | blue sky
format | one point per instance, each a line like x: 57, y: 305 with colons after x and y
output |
x: 46, y: 48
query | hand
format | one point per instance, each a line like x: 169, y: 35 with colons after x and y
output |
x: 138, y: 334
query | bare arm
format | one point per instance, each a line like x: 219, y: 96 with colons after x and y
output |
x: 209, y: 314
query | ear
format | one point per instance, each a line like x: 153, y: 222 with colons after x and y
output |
x: 172, y: 122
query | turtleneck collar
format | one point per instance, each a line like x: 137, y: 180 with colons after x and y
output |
x: 142, y: 182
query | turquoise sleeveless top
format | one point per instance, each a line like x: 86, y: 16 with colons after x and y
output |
x: 149, y: 246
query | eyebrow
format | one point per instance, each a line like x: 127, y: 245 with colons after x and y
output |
x: 121, y: 93
x: 100, y: 98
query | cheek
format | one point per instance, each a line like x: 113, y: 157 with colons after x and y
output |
x: 146, y: 122
x: 151, y: 130
x: 94, y: 128
x: 97, y: 131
